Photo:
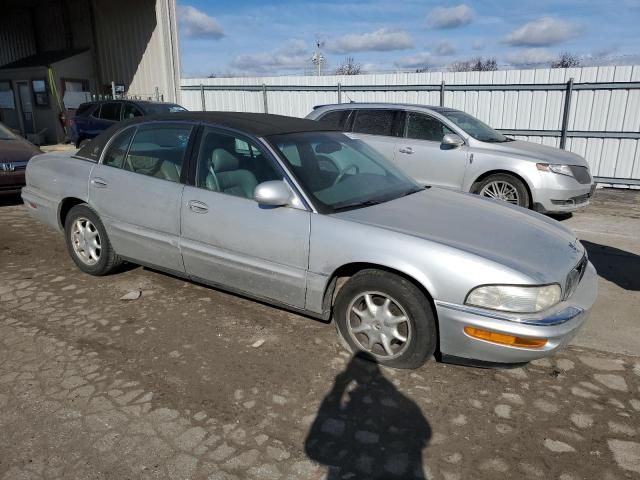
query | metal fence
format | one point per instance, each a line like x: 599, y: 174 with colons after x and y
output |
x: 592, y: 111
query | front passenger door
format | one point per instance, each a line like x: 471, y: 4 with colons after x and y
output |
x: 423, y: 157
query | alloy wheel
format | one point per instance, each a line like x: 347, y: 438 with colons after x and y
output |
x: 85, y: 239
x: 501, y: 190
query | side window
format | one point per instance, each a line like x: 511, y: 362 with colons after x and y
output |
x: 114, y: 157
x: 232, y: 165
x: 129, y: 110
x: 336, y: 119
x: 424, y: 127
x: 375, y: 122
x: 157, y: 150
x: 110, y: 111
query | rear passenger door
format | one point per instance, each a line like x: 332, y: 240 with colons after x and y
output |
x: 380, y: 128
x: 108, y: 114
x: 137, y: 189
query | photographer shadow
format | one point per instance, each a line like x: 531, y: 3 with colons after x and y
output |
x: 367, y: 429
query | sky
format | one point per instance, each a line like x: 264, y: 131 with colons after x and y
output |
x: 252, y: 37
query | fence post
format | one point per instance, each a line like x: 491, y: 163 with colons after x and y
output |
x: 339, y: 92
x: 264, y: 98
x: 202, y: 101
x: 442, y: 86
x: 565, y: 114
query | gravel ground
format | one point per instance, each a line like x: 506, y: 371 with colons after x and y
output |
x: 187, y: 382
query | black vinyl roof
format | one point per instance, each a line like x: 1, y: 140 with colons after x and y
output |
x: 257, y: 124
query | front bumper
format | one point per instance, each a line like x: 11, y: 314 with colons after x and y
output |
x: 559, y: 325
x: 561, y: 193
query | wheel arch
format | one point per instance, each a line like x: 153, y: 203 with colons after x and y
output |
x: 65, y: 206
x: 481, y: 177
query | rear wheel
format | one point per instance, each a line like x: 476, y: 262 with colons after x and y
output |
x: 505, y: 187
x: 87, y: 242
x: 387, y: 317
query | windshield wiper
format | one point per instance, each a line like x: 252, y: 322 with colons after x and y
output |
x: 366, y: 203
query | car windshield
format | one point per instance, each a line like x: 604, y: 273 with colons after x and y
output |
x: 6, y: 134
x: 474, y: 127
x: 341, y: 173
x: 159, y: 108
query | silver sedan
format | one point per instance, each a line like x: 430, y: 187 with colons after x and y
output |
x: 285, y: 211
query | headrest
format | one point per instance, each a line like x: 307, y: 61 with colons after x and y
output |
x: 223, y: 161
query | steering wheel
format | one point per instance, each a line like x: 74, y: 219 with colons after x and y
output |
x: 343, y: 172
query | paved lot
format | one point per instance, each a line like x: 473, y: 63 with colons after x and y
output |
x: 187, y: 382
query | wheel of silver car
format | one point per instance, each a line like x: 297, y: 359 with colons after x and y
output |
x: 88, y: 243
x: 387, y: 317
x: 504, y: 187
x: 85, y: 240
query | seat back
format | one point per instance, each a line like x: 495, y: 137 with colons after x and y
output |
x: 225, y: 176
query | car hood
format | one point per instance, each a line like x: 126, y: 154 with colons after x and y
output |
x: 525, y: 241
x: 539, y: 153
x: 17, y: 151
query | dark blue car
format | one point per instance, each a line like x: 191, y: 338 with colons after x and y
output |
x: 93, y: 117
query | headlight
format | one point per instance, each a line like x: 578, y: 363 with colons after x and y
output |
x: 512, y: 298
x: 555, y: 168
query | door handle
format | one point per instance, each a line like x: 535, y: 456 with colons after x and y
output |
x: 405, y: 150
x: 197, y: 207
x: 99, y: 183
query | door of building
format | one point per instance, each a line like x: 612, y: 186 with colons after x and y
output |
x: 26, y: 107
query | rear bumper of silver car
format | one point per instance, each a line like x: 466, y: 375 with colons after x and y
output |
x: 558, y: 326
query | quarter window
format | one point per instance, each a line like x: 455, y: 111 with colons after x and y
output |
x: 424, y: 127
x: 158, y: 151
x: 114, y: 157
x: 336, y: 119
x: 376, y: 122
x: 232, y: 165
x: 110, y: 111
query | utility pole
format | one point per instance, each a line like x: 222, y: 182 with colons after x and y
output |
x: 318, y: 59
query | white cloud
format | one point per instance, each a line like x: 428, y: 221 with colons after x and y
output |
x: 452, y: 17
x: 419, y: 60
x: 478, y: 45
x: 381, y: 40
x: 443, y: 49
x: 295, y: 55
x: 542, y: 32
x: 531, y: 57
x: 195, y: 23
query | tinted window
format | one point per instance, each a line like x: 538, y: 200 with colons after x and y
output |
x: 425, y: 127
x: 129, y: 110
x: 232, y: 165
x: 84, y: 108
x: 375, y: 122
x: 336, y: 119
x: 156, y: 108
x: 110, y: 111
x: 114, y: 157
x: 158, y: 151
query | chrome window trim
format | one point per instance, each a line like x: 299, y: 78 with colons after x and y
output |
x: 557, y: 318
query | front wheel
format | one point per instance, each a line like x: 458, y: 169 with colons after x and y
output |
x: 387, y: 317
x: 505, y: 187
x: 87, y: 242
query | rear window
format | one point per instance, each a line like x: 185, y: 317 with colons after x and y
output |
x: 376, y: 122
x: 85, y: 108
x: 336, y: 119
x: 159, y: 108
x: 110, y: 111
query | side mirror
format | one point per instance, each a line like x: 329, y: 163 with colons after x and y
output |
x: 452, y: 140
x: 274, y: 193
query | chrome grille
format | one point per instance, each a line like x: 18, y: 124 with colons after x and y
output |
x: 574, y: 277
x: 581, y: 174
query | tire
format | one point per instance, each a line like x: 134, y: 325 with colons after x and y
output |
x: 492, y: 186
x: 405, y: 300
x: 94, y: 239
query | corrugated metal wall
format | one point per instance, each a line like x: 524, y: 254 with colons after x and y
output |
x: 16, y: 36
x: 596, y: 111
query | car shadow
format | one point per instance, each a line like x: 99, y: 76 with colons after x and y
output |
x: 560, y: 217
x: 10, y: 200
x: 617, y: 266
x: 367, y: 429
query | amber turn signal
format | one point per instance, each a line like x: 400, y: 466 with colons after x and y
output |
x: 504, y: 339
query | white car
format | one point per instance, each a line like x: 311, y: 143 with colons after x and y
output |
x: 448, y: 148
